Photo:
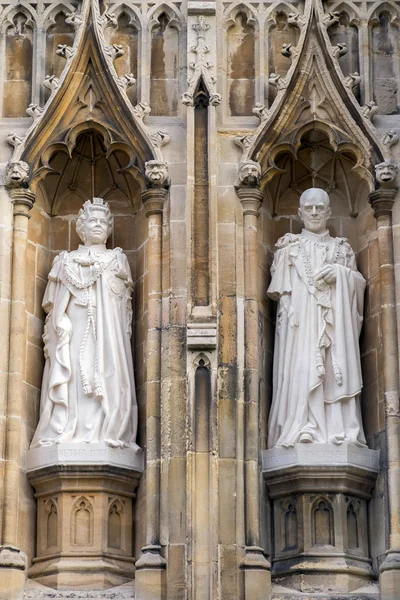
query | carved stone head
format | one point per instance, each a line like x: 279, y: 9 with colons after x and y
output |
x: 249, y: 174
x: 156, y: 172
x: 386, y: 174
x: 314, y: 210
x: 17, y: 174
x: 94, y: 222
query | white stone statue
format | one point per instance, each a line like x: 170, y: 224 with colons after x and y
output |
x: 317, y: 373
x: 88, y: 390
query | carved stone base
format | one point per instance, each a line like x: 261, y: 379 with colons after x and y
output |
x: 256, y: 572
x: 389, y: 579
x: 319, y: 494
x: 12, y: 573
x: 84, y: 514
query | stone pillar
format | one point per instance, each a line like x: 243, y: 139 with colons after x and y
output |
x: 382, y: 201
x: 255, y: 567
x: 12, y: 559
x: 150, y: 574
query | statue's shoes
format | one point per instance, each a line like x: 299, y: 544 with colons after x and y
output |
x: 306, y: 438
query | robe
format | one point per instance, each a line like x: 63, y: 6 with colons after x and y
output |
x: 88, y: 390
x: 317, y: 371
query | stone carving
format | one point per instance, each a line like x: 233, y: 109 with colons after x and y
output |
x: 201, y: 67
x: 390, y: 138
x: 353, y: 80
x: 88, y: 390
x: 386, y: 174
x: 34, y: 111
x: 261, y: 112
x: 249, y: 174
x: 369, y: 110
x: 127, y: 81
x: 317, y: 375
x: 65, y: 51
x: 339, y: 50
x: 156, y: 173
x: 277, y: 81
x: 51, y: 82
x: 16, y: 174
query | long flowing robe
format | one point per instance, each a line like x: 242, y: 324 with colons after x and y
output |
x: 88, y: 390
x: 317, y: 372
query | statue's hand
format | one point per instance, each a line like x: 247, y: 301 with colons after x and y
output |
x: 327, y: 273
x: 64, y: 328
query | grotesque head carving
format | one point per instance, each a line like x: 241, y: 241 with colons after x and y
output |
x: 94, y: 222
x: 17, y: 174
x: 249, y: 174
x: 156, y: 172
x: 386, y: 173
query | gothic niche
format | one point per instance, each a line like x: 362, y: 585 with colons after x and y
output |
x: 115, y: 525
x: 290, y: 527
x: 352, y: 527
x: 164, y: 73
x: 385, y: 62
x: 241, y: 65
x: 346, y: 31
x: 18, y: 66
x: 52, y: 524
x: 94, y: 169
x: 58, y: 33
x: 127, y: 35
x: 322, y: 527
x: 280, y: 34
x: 82, y: 523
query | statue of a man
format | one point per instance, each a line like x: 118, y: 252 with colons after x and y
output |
x: 88, y: 390
x: 317, y: 373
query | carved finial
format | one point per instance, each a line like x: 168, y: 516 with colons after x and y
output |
x: 141, y: 110
x: 51, y: 82
x: 339, y: 50
x: 261, y: 112
x: 65, y: 51
x: 352, y: 80
x: 332, y: 18
x: 16, y: 175
x: 201, y: 67
x: 386, y: 175
x: 126, y: 81
x: 74, y: 18
x: 249, y: 175
x: 369, y: 109
x: 156, y: 173
x: 390, y: 138
x: 295, y: 19
x: 114, y: 51
x: 277, y: 81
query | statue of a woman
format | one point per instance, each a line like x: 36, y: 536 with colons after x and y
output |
x: 88, y: 390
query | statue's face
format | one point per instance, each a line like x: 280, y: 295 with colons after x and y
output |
x: 249, y: 174
x: 314, y: 213
x: 156, y: 172
x: 95, y: 228
x: 385, y: 173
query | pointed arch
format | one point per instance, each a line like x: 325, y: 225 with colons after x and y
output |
x: 175, y: 16
x: 52, y: 11
x: 234, y: 11
x: 12, y: 10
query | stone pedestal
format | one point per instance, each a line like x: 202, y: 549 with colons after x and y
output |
x: 319, y: 494
x: 84, y: 514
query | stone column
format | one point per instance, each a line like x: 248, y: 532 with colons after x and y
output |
x: 151, y: 565
x: 256, y: 569
x: 382, y: 201
x: 12, y: 559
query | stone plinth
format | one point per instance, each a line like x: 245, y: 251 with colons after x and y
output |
x: 84, y: 514
x: 319, y: 494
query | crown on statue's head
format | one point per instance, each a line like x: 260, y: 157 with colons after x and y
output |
x: 97, y: 203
